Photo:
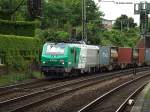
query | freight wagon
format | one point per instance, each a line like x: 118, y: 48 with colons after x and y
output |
x: 124, y: 57
x: 108, y: 57
x: 135, y: 56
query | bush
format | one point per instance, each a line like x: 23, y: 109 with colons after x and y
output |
x: 52, y: 35
x: 18, y: 28
x: 127, y: 38
x: 16, y: 51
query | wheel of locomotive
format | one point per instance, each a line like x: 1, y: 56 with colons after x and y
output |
x: 81, y: 71
x: 110, y: 67
x: 122, y: 66
x: 48, y: 75
x: 89, y: 70
x: 94, y: 70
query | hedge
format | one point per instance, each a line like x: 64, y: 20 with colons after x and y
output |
x: 20, y: 28
x: 17, y: 50
x: 5, y: 15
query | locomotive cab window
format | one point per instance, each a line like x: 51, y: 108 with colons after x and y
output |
x: 55, y: 50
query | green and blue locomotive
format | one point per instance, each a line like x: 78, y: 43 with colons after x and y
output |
x: 59, y: 60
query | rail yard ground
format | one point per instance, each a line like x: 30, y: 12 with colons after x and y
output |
x: 68, y: 95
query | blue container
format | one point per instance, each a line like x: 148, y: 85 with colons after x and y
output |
x: 147, y: 56
x: 105, y: 56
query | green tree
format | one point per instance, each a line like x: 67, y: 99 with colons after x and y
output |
x: 13, y: 9
x: 128, y: 38
x: 58, y: 16
x: 66, y: 15
x: 124, y: 22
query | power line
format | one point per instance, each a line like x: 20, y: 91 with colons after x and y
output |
x: 119, y: 3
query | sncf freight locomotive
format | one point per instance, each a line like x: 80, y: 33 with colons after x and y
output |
x: 67, y: 59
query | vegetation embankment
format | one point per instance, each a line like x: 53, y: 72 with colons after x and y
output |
x: 20, y: 28
x: 15, y: 77
x: 17, y: 54
x: 16, y: 51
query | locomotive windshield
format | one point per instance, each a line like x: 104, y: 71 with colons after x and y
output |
x: 58, y: 49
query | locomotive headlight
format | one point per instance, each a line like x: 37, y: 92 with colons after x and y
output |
x: 62, y: 62
x: 43, y: 62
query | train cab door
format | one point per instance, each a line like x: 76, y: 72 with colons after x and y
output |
x: 75, y: 55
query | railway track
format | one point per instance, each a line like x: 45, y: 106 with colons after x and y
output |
x: 125, y: 107
x: 23, y: 88
x: 26, y: 87
x: 29, y: 84
x: 31, y: 87
x: 111, y: 100
x: 25, y: 102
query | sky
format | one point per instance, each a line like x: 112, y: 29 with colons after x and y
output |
x: 113, y: 10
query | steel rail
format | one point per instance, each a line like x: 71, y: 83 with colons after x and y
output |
x: 53, y: 97
x: 91, y: 104
x: 36, y: 93
x: 123, y: 105
x: 2, y: 88
x: 59, y: 94
x: 63, y: 85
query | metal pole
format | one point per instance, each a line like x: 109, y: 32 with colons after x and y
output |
x: 85, y: 19
x: 82, y: 19
x: 121, y: 25
x: 11, y: 6
x: 84, y: 33
x: 128, y: 24
x: 134, y: 68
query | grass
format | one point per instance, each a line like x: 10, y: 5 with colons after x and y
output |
x: 147, y: 95
x: 12, y: 77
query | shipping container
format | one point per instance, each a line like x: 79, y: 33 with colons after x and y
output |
x: 135, y: 55
x: 108, y: 56
x: 105, y: 56
x: 141, y: 56
x: 147, y: 56
x: 125, y: 56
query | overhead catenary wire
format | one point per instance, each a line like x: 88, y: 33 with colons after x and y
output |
x: 119, y: 2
